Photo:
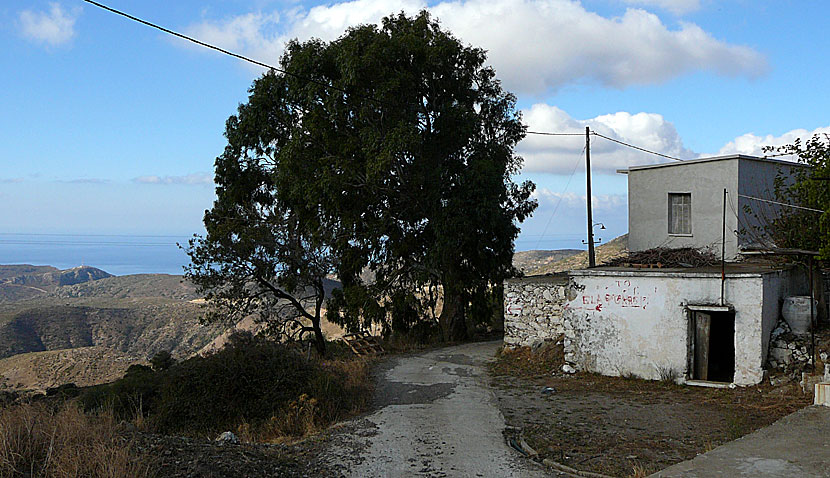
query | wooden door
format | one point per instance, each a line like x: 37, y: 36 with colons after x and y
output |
x: 703, y: 322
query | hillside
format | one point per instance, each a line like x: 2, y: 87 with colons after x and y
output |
x: 82, y: 366
x: 603, y: 252
x: 85, y: 325
x: 533, y: 260
x: 133, y: 286
x: 140, y: 330
x: 23, y: 281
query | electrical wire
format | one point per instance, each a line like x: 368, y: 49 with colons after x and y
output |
x: 556, y: 208
x: 748, y: 229
x: 84, y: 243
x: 636, y: 147
x: 322, y: 83
x: 544, y: 133
x: 39, y: 234
x: 230, y: 53
x: 781, y: 203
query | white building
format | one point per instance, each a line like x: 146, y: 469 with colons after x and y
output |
x: 691, y: 324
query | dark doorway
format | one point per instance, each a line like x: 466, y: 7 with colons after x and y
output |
x: 713, y: 345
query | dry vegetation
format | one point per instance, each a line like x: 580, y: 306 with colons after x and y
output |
x: 627, y: 426
x: 263, y: 391
x: 37, y: 440
x: 528, y: 363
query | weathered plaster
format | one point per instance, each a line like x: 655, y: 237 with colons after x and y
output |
x: 620, y: 322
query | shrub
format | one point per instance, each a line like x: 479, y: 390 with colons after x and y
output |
x: 266, y: 388
x: 128, y: 397
x: 162, y: 361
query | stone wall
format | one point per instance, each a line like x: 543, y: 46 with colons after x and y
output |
x: 533, y: 309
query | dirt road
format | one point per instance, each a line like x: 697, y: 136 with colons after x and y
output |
x: 436, y: 417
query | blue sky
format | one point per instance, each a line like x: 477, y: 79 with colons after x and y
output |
x: 110, y: 127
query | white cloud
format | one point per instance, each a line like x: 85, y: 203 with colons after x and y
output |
x: 678, y: 7
x: 193, y: 178
x: 55, y: 27
x: 535, y: 45
x: 561, y: 154
x: 752, y: 144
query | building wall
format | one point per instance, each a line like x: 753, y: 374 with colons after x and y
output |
x: 637, y: 322
x: 620, y: 322
x: 757, y: 179
x: 648, y: 205
x: 533, y: 309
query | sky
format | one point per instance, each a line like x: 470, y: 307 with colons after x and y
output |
x: 111, y: 128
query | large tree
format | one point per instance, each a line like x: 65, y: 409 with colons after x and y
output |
x: 388, y: 154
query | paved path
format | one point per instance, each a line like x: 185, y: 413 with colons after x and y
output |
x: 437, y: 418
x: 798, y: 445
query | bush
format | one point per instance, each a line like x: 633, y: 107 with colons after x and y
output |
x: 162, y: 361
x: 127, y: 398
x: 266, y: 388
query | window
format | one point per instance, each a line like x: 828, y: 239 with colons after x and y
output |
x: 680, y: 213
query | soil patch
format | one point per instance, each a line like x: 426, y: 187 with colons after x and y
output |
x: 631, y: 427
x: 179, y: 457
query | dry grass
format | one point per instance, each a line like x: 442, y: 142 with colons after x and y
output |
x: 39, y: 441
x: 528, y: 363
x: 307, y: 415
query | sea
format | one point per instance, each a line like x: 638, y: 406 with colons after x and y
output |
x: 118, y: 254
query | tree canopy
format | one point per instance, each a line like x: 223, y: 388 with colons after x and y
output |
x: 385, y: 158
x: 810, y: 188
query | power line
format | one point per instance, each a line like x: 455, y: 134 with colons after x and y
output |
x: 38, y: 234
x: 781, y: 203
x: 318, y: 82
x: 636, y: 147
x: 543, y: 133
x: 84, y: 243
x: 556, y: 208
x: 230, y: 53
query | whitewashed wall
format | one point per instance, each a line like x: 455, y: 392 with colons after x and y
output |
x: 637, y: 322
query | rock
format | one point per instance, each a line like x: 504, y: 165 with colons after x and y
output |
x: 547, y: 390
x: 567, y: 368
x: 228, y: 438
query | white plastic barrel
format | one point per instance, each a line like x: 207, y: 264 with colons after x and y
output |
x: 796, y: 311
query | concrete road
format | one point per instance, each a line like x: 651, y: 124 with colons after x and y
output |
x: 798, y: 445
x: 437, y: 418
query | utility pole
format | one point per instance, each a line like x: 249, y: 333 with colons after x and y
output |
x: 592, y: 261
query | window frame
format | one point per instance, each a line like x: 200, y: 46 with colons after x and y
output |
x: 670, y: 216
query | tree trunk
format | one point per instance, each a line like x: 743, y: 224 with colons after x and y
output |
x: 319, y: 340
x: 452, y: 319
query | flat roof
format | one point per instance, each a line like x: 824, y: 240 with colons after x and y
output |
x: 714, y: 158
x: 733, y: 269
